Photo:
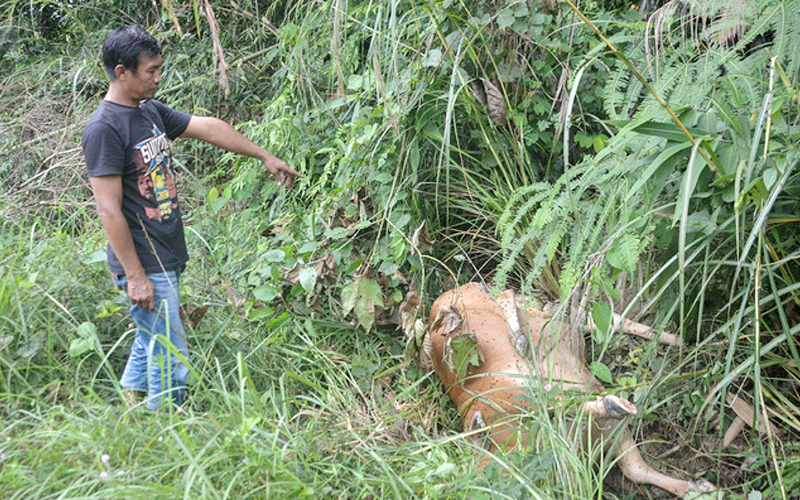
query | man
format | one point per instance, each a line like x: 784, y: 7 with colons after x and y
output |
x: 126, y: 146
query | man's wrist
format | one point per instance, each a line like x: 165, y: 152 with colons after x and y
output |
x: 136, y: 273
x: 266, y: 156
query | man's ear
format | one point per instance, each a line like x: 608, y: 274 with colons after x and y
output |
x: 120, y: 70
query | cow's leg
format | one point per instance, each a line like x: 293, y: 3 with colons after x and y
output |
x: 610, y: 407
x: 640, y: 330
x: 636, y: 469
x: 607, y: 412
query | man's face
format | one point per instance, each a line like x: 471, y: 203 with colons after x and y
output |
x: 143, y: 83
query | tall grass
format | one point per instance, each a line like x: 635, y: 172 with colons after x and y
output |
x: 298, y: 407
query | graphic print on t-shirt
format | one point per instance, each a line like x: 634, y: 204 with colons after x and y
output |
x: 153, y: 163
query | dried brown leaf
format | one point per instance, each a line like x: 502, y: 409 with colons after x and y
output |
x: 193, y: 316
x: 219, y: 54
x: 450, y: 318
x: 291, y: 276
x: 496, y: 102
x: 478, y: 92
x: 400, y: 277
x: 426, y: 352
x: 408, y: 313
x: 326, y: 265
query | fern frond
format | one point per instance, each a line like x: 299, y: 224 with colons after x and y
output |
x: 507, y: 230
x: 540, y: 260
x: 615, y: 91
x: 786, y: 26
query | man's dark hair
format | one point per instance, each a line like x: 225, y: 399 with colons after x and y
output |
x: 124, y: 45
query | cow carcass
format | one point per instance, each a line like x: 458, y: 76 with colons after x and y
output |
x: 512, y: 345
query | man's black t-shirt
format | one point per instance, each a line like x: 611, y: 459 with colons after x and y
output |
x: 134, y: 144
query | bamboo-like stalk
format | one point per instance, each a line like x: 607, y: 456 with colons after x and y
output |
x: 218, y: 52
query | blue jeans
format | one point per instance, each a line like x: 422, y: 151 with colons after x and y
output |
x: 151, y: 368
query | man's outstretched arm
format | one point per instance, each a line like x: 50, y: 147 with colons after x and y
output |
x: 217, y: 132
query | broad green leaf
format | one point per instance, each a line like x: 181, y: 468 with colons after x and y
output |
x: 432, y: 58
x: 219, y: 203
x: 505, y: 19
x: 308, y: 278
x: 86, y: 332
x: 349, y: 298
x: 30, y: 345
x: 384, y: 178
x: 274, y: 255
x: 354, y: 82
x: 601, y: 371
x: 259, y: 313
x: 601, y: 315
x: 78, y: 347
x: 413, y: 156
x: 265, y: 293
x: 770, y: 176
x: 349, y: 294
x: 445, y: 470
x: 465, y: 353
x: 697, y: 221
x: 599, y: 142
x: 308, y: 247
x: 212, y: 195
x: 584, y: 140
x: 337, y: 233
x: 402, y: 220
x: 95, y: 257
x: 362, y: 296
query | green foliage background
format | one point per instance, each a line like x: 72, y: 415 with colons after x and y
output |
x: 649, y: 166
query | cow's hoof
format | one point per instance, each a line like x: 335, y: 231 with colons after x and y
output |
x: 618, y: 407
x: 704, y: 486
